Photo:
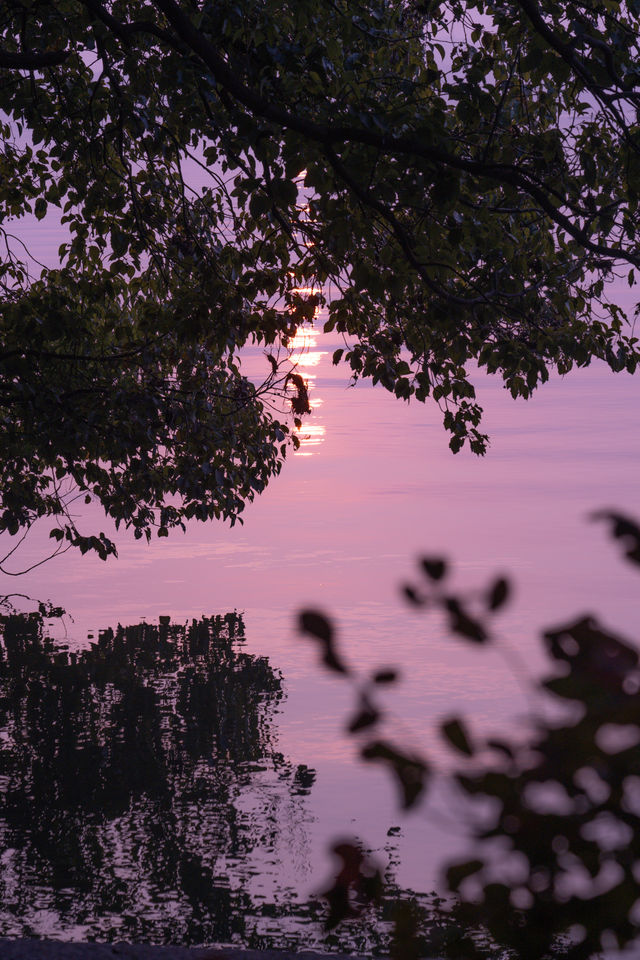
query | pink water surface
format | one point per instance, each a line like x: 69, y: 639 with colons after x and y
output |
x: 373, y: 486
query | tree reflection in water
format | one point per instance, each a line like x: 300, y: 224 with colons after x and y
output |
x: 140, y: 789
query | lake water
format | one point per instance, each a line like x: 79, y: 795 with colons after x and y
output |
x: 373, y: 486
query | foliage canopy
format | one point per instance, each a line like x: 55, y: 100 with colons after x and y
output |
x: 456, y: 182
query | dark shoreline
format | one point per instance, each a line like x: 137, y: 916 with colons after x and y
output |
x: 60, y: 950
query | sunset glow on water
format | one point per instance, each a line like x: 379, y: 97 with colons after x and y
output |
x: 275, y: 263
x: 373, y: 486
x: 307, y: 359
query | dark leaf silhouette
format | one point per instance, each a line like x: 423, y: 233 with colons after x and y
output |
x: 624, y: 529
x: 412, y: 595
x: 464, y: 625
x: 385, y: 676
x: 410, y: 772
x: 456, y: 733
x: 498, y: 594
x: 300, y: 403
x: 367, y: 716
x: 274, y: 363
x: 501, y: 747
x: 460, y: 871
x: 316, y: 625
x: 434, y: 567
x: 357, y: 884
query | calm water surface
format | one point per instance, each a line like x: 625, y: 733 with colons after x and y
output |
x: 373, y: 486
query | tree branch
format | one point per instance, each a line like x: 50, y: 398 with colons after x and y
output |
x: 32, y: 61
x: 502, y: 174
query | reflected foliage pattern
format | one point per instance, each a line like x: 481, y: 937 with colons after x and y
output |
x: 139, y: 783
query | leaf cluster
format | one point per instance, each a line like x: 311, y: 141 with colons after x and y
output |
x: 554, y: 870
x: 457, y: 183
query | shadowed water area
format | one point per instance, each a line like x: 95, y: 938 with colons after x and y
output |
x: 124, y: 771
x: 143, y: 797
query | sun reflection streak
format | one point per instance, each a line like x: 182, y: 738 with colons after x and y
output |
x: 312, y: 433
